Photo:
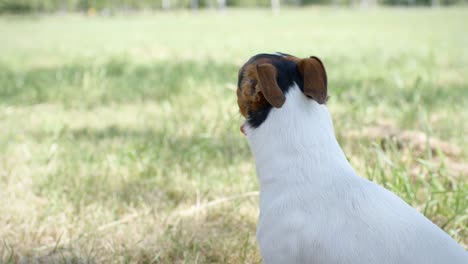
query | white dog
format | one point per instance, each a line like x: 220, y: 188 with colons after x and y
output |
x: 314, y: 208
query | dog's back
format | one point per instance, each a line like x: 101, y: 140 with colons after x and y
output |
x: 356, y: 222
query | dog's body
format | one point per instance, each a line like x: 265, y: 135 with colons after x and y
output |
x: 313, y: 207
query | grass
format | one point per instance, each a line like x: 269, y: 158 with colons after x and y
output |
x: 120, y: 136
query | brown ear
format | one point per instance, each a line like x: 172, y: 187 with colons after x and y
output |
x: 268, y: 86
x: 315, y: 78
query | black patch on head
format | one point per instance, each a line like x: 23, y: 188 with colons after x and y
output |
x: 287, y: 74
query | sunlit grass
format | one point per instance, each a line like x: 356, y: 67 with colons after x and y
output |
x: 120, y: 136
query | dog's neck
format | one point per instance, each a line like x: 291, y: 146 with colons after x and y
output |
x: 296, y: 145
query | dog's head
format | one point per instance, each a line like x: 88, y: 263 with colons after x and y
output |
x: 265, y: 79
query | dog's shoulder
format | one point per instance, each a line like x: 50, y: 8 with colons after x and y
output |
x: 346, y: 223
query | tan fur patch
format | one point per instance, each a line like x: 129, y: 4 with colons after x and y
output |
x: 268, y: 85
x: 315, y: 78
x: 249, y: 97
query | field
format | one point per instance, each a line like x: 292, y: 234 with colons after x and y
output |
x: 120, y: 136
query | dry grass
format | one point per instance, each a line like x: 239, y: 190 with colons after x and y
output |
x: 120, y: 136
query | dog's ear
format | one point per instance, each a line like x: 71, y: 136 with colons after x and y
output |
x: 315, y: 78
x: 268, y: 86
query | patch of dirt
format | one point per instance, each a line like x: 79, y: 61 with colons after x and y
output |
x: 418, y: 142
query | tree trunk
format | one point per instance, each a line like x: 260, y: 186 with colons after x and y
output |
x: 275, y: 6
x: 194, y: 5
x: 166, y: 4
x: 366, y: 4
x: 221, y: 4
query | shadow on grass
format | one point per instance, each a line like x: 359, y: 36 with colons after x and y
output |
x: 121, y: 80
x: 131, y: 166
x: 116, y: 80
x: 376, y: 91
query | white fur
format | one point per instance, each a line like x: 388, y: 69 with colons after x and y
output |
x: 314, y: 208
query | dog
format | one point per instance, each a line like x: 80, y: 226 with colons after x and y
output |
x: 314, y: 208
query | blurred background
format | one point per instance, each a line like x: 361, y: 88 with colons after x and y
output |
x: 119, y: 126
x: 111, y: 6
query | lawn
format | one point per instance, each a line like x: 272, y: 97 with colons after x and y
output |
x: 120, y: 136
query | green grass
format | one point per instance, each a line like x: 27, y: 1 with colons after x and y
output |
x: 120, y: 136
